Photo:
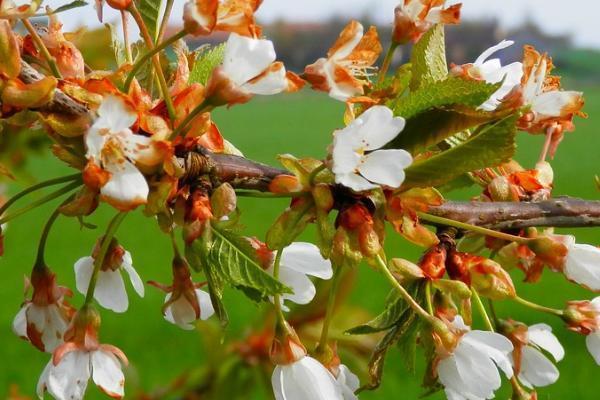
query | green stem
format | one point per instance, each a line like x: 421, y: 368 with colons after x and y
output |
x: 428, y: 297
x: 482, y: 310
x: 43, y: 200
x: 387, y: 61
x: 99, y: 261
x: 249, y: 193
x: 409, y: 299
x: 474, y: 228
x: 125, y: 23
x: 42, y: 48
x: 164, y: 24
x: 538, y: 307
x: 155, y: 59
x: 335, y: 284
x: 315, y: 172
x: 281, y: 323
x: 46, y: 232
x: 36, y: 187
x: 146, y: 57
x: 199, y: 109
x: 493, y: 312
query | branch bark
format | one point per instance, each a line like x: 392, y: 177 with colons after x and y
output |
x: 243, y: 173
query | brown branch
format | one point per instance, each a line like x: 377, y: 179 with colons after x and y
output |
x: 243, y: 173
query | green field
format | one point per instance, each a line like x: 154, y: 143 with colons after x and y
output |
x: 299, y: 124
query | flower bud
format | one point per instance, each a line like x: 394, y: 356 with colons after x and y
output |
x: 500, y: 189
x: 552, y: 250
x: 223, y: 201
x: 405, y: 271
x: 484, y: 275
x: 323, y: 197
x: 433, y: 263
x: 582, y: 317
x: 287, y: 347
x: 119, y: 4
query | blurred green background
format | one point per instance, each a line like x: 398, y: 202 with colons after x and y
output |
x: 301, y: 123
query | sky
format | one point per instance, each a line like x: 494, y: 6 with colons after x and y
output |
x: 579, y: 18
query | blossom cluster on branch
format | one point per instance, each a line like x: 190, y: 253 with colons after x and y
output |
x: 141, y: 137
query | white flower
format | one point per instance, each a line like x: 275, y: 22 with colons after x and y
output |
x: 358, y: 170
x: 115, y: 149
x: 305, y: 379
x: 582, y: 264
x: 348, y: 382
x: 68, y: 379
x: 181, y: 313
x: 110, y: 288
x: 492, y: 71
x: 299, y: 260
x: 592, y: 340
x: 536, y: 369
x: 44, y: 326
x: 470, y: 372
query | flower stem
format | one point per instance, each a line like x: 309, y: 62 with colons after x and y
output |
x: 165, y: 20
x: 538, y: 307
x: 409, y: 299
x: 199, y: 109
x: 106, y: 240
x: 125, y: 23
x: 155, y: 59
x: 46, y: 232
x: 146, y: 57
x: 280, y: 318
x: 474, y: 228
x: 387, y: 61
x: 43, y: 49
x: 335, y: 284
x: 482, y: 310
x: 428, y: 298
x: 36, y: 187
x: 64, y: 190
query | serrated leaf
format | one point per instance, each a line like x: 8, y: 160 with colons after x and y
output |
x: 232, y: 258
x: 207, y: 60
x: 70, y: 6
x: 446, y: 92
x: 428, y: 58
x: 433, y: 126
x: 394, y: 310
x: 407, y: 345
x: 150, y: 11
x: 492, y: 145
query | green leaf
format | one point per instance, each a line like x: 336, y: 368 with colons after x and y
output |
x: 491, y: 146
x: 394, y: 310
x: 117, y: 46
x: 208, y: 58
x: 291, y: 223
x: 433, y: 126
x: 197, y: 256
x: 70, y: 6
x: 450, y: 91
x: 232, y: 259
x: 407, y: 345
x: 150, y: 11
x: 428, y: 58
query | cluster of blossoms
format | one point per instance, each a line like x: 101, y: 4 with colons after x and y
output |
x: 164, y: 154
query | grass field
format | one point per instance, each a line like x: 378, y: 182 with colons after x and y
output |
x: 301, y: 124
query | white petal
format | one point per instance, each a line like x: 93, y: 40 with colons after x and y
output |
x: 43, y: 381
x: 95, y: 140
x: 583, y: 265
x: 303, y: 289
x: 306, y: 258
x: 107, y: 374
x: 245, y: 58
x: 596, y: 303
x: 500, y: 46
x: 306, y: 379
x: 345, y: 50
x: 180, y: 313
x: 127, y: 185
x: 206, y: 307
x: 452, y: 380
x: 385, y: 167
x: 68, y: 380
x: 592, y: 342
x: 536, y: 369
x: 355, y: 182
x: 345, y: 157
x: 376, y: 127
x: 19, y: 325
x: 479, y: 374
x: 110, y: 291
x: 116, y: 114
x: 136, y: 281
x: 56, y: 325
x: 541, y: 335
x: 495, y: 346
x: 348, y: 382
x: 140, y: 149
x: 83, y: 273
x: 273, y: 82
x: 552, y: 103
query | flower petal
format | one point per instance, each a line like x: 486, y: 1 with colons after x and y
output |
x: 272, y: 81
x: 541, y: 335
x: 355, y: 182
x: 583, y: 265
x: 19, y: 325
x: 83, y: 273
x: 487, y: 53
x: 345, y: 157
x: 592, y: 342
x: 136, y: 281
x: 43, y: 381
x: 107, y: 374
x: 303, y: 380
x: 385, y: 167
x: 348, y: 382
x: 377, y: 126
x: 495, y: 346
x: 555, y: 103
x: 303, y: 288
x: 180, y: 313
x: 110, y: 291
x: 536, y: 369
x: 68, y: 380
x: 127, y: 187
x: 206, y: 307
x: 115, y: 114
x: 246, y: 58
x: 306, y: 258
